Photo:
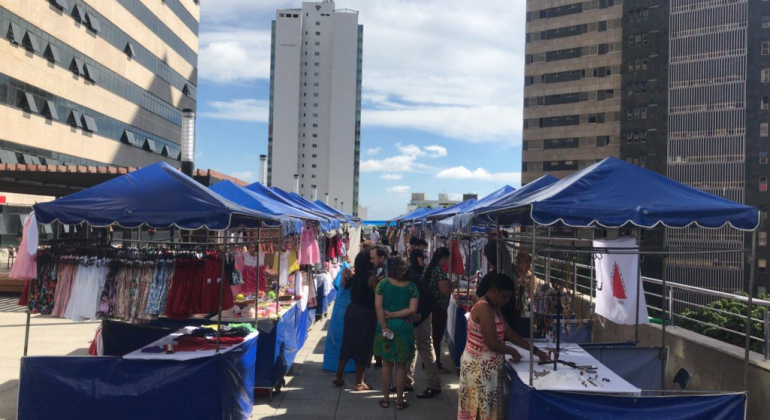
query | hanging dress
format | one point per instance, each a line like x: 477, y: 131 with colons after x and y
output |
x: 309, y: 254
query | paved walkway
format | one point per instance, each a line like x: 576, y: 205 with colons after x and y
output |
x: 309, y: 393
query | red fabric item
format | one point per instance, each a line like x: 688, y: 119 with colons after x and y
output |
x: 24, y: 299
x: 457, y: 261
x: 262, y: 279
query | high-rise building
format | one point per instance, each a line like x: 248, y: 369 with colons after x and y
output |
x: 315, y: 103
x: 702, y: 78
x: 99, y: 83
x: 689, y: 101
x: 572, y: 86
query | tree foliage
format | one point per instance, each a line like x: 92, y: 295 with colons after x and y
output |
x: 729, y: 322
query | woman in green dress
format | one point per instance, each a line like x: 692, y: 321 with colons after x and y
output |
x: 396, y: 301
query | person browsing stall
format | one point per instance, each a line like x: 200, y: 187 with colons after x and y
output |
x: 482, y: 374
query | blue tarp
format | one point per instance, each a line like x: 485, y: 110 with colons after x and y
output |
x: 263, y: 191
x: 525, y: 403
x: 132, y: 200
x: 78, y: 388
x: 337, y: 328
x: 468, y: 217
x: 446, y: 226
x: 614, y: 193
x: 279, y: 347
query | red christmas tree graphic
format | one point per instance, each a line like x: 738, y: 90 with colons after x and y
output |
x: 618, y: 286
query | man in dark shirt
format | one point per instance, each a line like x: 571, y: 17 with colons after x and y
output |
x: 417, y: 258
x: 510, y: 312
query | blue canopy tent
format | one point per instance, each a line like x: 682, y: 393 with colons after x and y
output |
x: 300, y: 202
x: 412, y: 214
x: 616, y: 194
x: 445, y: 226
x: 348, y: 218
x: 469, y: 219
x: 451, y: 211
x: 158, y: 196
x: 131, y: 201
x: 263, y: 191
x: 252, y: 200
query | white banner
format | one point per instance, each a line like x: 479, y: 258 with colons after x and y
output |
x: 616, y: 284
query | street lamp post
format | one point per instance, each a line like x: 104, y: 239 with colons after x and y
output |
x: 342, y: 206
x: 327, y: 199
x: 315, y: 192
x: 335, y: 204
x: 296, y: 184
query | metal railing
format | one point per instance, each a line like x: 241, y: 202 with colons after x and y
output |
x: 581, y: 282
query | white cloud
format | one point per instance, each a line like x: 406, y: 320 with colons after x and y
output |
x: 198, y: 155
x: 399, y: 189
x: 398, y: 163
x: 392, y: 177
x: 480, y: 174
x: 253, y: 110
x: 234, y: 55
x: 373, y: 151
x: 469, y: 88
x: 244, y: 176
x: 436, y: 151
x: 410, y: 150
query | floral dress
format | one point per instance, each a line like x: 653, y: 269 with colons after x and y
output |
x: 395, y: 298
x: 481, y: 375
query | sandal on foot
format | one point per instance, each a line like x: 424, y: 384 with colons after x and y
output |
x: 338, y: 382
x: 402, y: 405
x: 384, y: 403
x: 363, y: 387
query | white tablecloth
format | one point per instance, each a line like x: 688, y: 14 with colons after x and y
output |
x: 566, y: 378
x: 182, y: 355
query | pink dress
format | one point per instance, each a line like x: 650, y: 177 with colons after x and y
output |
x: 25, y: 267
x: 309, y: 254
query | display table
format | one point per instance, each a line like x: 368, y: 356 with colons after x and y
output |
x: 565, y: 378
x: 209, y: 387
x: 182, y: 355
x: 624, y: 397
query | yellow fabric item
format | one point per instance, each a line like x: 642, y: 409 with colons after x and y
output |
x: 293, y: 262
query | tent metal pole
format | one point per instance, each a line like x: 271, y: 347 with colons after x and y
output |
x: 638, y: 290
x: 29, y: 311
x: 532, y: 306
x: 256, y: 304
x: 663, y: 317
x: 278, y: 275
x: 752, y: 261
x: 498, y: 251
x: 223, y: 257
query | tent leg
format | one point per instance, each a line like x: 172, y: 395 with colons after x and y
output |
x: 664, y: 319
x: 532, y: 306
x: 752, y: 261
x: 639, y: 290
x: 223, y: 256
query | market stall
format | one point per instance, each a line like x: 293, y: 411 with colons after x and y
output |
x: 134, y: 284
x: 612, y: 194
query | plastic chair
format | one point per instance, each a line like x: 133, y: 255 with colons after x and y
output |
x: 683, y: 379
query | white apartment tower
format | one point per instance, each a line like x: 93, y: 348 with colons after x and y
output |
x: 315, y: 103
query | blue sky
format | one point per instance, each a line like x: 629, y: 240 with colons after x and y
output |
x: 442, y: 94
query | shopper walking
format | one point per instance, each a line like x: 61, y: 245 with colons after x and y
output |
x: 374, y: 236
x: 396, y: 301
x: 482, y: 378
x: 360, y: 322
x: 430, y: 285
x: 441, y: 288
